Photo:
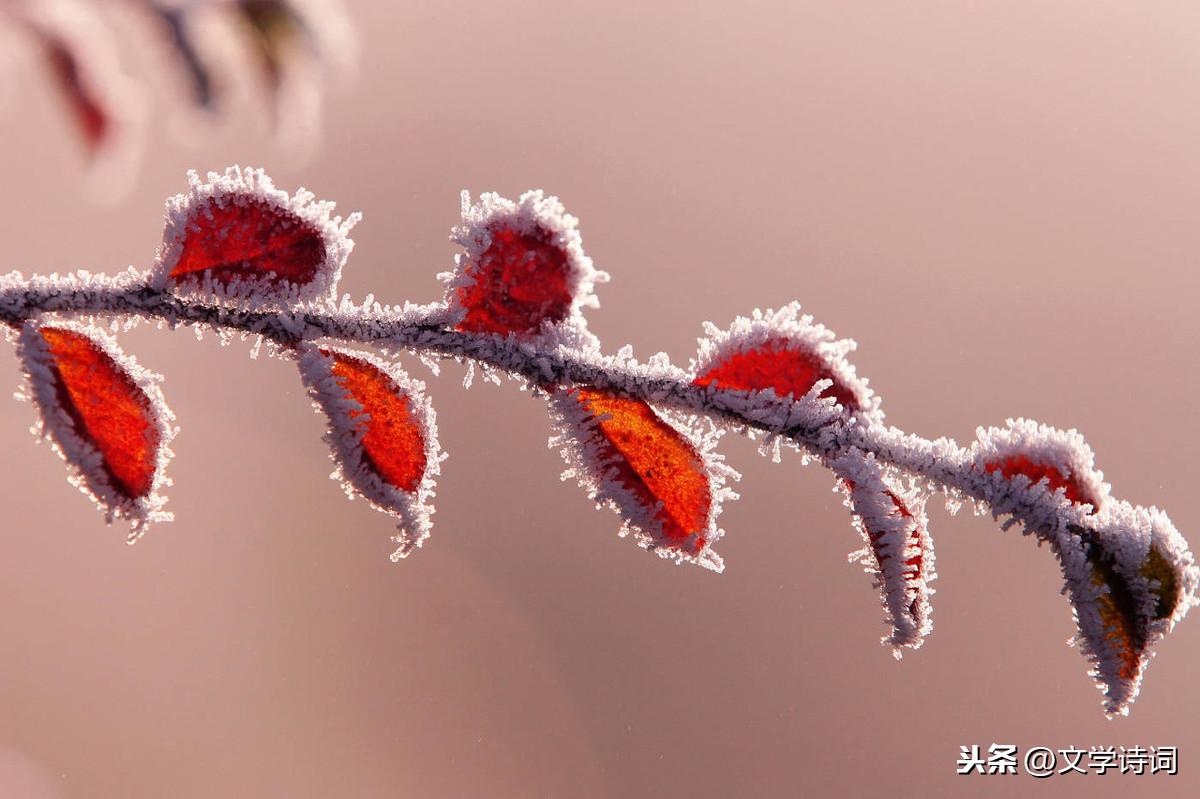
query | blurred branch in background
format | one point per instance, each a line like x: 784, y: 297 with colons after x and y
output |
x: 220, y: 61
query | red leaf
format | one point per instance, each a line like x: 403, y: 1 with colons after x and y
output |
x: 523, y: 269
x: 382, y: 433
x: 1076, y: 492
x: 248, y: 237
x: 109, y: 410
x: 105, y: 414
x: 654, y: 463
x: 1023, y: 448
x: 392, y: 441
x: 239, y: 234
x: 780, y: 366
x: 521, y: 281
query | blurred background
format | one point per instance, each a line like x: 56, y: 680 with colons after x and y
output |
x: 997, y: 200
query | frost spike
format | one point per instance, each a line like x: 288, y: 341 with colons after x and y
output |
x: 382, y: 434
x: 666, y: 484
x: 105, y: 415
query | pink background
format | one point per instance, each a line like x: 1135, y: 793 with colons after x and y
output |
x: 997, y: 200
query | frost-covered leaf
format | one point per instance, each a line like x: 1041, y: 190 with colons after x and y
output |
x: 1056, y: 459
x: 786, y: 352
x: 666, y: 483
x: 899, y: 550
x: 383, y: 435
x: 237, y: 237
x: 1130, y: 578
x: 105, y: 416
x: 523, y: 268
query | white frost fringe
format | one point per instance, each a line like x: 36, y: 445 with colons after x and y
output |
x: 578, y: 438
x: 239, y: 186
x: 345, y: 434
x: 85, y: 462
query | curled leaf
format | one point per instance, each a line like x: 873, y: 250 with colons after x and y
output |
x: 899, y: 550
x: 238, y: 237
x: 523, y: 269
x: 382, y: 433
x: 1127, y: 572
x: 105, y: 416
x: 667, y: 485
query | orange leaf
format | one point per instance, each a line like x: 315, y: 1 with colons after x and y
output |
x: 663, y: 481
x: 656, y: 463
x: 392, y: 441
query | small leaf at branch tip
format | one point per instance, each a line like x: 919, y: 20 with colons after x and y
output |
x: 523, y: 269
x: 106, y: 418
x: 236, y: 239
x: 382, y: 433
x: 1130, y: 578
x: 664, y: 479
